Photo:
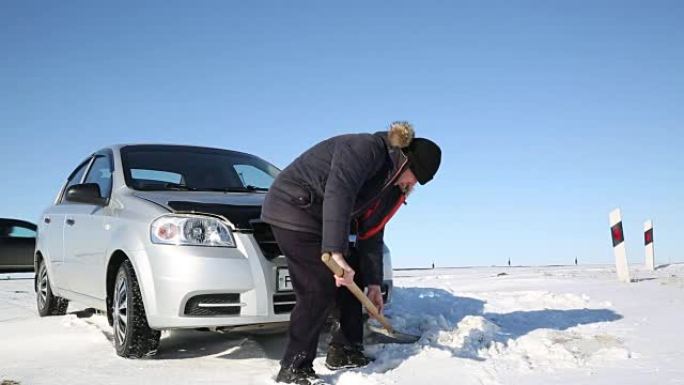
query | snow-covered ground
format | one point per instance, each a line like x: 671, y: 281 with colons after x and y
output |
x: 527, y: 325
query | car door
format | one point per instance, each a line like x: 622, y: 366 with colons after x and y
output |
x: 7, y: 249
x: 51, y: 230
x: 86, y: 234
x: 17, y: 244
x: 23, y: 237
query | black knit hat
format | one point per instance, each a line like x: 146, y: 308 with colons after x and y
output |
x: 424, y: 158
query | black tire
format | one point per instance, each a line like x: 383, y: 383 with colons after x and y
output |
x: 133, y: 337
x: 48, y: 304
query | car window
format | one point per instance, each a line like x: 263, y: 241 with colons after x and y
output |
x: 149, y: 167
x: 156, y: 176
x: 21, y: 232
x: 252, y: 176
x: 15, y: 231
x: 76, y: 176
x: 101, y: 174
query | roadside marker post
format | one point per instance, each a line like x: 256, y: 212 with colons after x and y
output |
x: 618, y: 236
x: 648, y: 243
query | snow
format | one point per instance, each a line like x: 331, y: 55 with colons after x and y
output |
x: 531, y: 325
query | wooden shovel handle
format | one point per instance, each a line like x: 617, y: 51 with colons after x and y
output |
x: 354, y: 288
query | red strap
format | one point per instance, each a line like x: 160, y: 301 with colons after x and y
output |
x: 370, y: 210
x: 376, y: 229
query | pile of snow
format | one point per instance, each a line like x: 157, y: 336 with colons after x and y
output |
x: 547, y: 334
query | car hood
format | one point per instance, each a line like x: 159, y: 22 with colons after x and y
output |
x: 215, y: 197
x: 241, y: 209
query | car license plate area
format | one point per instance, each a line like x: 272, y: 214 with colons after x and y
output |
x: 283, y: 282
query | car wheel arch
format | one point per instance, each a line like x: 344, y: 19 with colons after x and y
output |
x: 115, y: 261
x: 116, y: 258
x: 37, y: 259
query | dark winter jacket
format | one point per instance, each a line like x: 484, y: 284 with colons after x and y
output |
x: 341, y: 185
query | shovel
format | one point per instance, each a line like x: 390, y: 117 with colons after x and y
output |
x: 389, y: 334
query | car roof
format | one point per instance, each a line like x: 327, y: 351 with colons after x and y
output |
x: 118, y: 147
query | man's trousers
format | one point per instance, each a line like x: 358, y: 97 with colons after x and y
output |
x: 316, y: 294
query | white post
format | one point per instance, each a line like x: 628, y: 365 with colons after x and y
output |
x: 618, y: 236
x: 648, y: 242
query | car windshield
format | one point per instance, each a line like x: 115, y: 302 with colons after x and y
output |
x: 195, y: 169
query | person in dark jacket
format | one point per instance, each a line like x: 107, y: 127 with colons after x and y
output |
x: 348, y: 184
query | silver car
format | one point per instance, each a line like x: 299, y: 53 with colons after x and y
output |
x: 164, y: 237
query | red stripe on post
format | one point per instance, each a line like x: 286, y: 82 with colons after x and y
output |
x: 617, y: 234
x: 648, y: 237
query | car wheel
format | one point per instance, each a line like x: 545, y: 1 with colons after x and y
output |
x: 48, y: 303
x: 133, y: 337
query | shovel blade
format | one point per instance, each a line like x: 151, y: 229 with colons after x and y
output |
x: 384, y: 336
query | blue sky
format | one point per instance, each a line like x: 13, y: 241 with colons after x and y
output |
x: 549, y: 113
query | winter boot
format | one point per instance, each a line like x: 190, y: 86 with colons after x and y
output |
x: 345, y: 357
x: 303, y: 376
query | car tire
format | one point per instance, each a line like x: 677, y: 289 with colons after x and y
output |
x: 133, y: 337
x: 48, y: 303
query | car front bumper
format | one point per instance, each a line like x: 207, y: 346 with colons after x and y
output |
x: 199, y: 287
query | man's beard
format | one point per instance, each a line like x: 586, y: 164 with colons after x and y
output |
x: 406, y: 190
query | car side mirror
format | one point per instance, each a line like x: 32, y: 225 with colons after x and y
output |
x: 85, y: 193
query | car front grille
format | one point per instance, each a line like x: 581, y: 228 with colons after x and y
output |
x: 284, y: 302
x: 207, y: 305
x: 263, y: 234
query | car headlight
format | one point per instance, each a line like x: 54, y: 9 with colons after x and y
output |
x: 191, y: 230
